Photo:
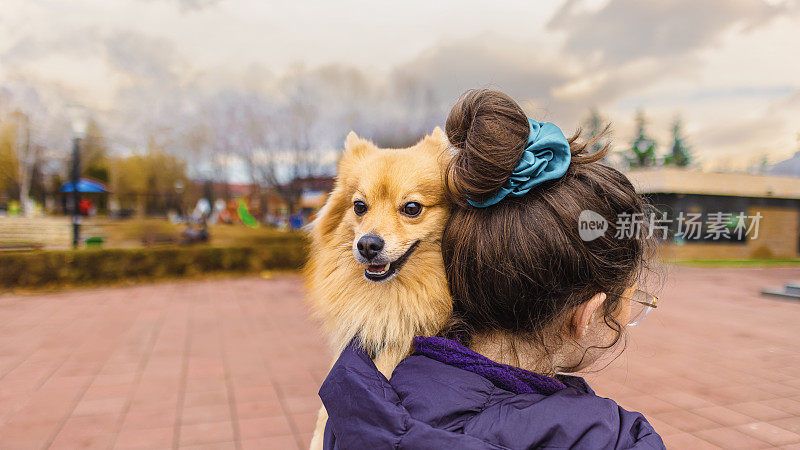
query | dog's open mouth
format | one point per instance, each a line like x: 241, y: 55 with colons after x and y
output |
x: 381, y: 272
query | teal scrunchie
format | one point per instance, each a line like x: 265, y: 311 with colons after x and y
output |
x: 546, y: 157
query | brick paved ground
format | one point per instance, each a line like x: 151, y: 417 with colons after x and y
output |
x: 236, y: 364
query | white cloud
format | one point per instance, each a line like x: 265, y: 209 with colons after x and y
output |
x: 389, y: 69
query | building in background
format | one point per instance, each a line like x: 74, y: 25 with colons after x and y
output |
x: 776, y: 199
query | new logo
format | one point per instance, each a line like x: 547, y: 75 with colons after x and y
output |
x: 591, y: 225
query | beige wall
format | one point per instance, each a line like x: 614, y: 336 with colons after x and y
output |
x: 777, y: 238
x: 674, y: 180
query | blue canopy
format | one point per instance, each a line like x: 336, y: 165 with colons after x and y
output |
x: 84, y: 185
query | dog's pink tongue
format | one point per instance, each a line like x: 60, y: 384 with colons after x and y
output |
x: 377, y: 269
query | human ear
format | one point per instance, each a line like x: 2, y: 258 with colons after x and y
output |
x: 583, y: 314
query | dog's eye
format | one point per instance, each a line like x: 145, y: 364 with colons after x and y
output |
x: 412, y: 209
x: 359, y: 207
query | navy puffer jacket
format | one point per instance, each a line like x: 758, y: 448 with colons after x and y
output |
x: 428, y: 404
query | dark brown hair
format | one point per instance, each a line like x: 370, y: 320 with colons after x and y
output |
x: 519, y: 265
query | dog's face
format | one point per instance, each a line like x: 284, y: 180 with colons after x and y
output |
x: 395, y: 207
x: 375, y: 267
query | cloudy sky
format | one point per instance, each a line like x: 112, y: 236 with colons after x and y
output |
x: 729, y: 68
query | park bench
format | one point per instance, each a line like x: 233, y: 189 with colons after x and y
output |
x: 151, y: 240
x: 19, y: 246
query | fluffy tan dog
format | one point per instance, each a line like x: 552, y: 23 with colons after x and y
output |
x: 375, y: 268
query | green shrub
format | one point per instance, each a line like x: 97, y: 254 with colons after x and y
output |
x: 98, y: 265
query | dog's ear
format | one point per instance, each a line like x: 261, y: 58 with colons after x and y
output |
x: 438, y: 135
x: 437, y: 144
x: 436, y: 141
x: 355, y: 150
x: 356, y: 147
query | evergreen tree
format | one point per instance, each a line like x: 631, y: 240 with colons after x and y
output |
x: 643, y: 148
x: 679, y: 155
x: 595, y: 124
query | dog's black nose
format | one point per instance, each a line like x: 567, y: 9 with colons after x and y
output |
x: 370, y: 245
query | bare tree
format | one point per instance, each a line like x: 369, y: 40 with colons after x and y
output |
x: 39, y: 132
x: 211, y: 138
x: 254, y: 143
x: 28, y: 154
x: 300, y: 115
x: 197, y: 140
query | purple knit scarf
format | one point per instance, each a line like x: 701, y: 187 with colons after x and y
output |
x: 506, y: 377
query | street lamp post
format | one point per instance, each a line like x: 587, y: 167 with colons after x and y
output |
x: 79, y: 124
x: 76, y: 195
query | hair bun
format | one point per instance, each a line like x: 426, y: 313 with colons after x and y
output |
x: 459, y: 122
x: 490, y: 131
